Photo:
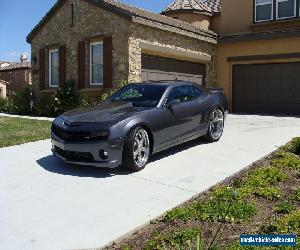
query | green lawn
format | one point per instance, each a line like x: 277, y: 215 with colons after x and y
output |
x: 14, y: 131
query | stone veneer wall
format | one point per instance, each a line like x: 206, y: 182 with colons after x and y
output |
x: 92, y: 21
x: 89, y: 21
x: 146, y: 34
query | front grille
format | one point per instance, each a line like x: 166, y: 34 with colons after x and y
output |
x: 75, y: 136
x: 74, y: 156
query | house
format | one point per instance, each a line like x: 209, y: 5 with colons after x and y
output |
x: 258, y: 50
x: 250, y: 48
x: 3, y: 85
x: 98, y: 43
x: 16, y: 75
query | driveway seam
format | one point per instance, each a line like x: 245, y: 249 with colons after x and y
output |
x: 164, y: 184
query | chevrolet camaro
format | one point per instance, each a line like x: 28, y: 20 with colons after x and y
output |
x: 137, y: 121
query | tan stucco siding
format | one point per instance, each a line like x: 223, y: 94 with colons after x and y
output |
x: 200, y: 20
x: 251, y: 48
x: 236, y: 16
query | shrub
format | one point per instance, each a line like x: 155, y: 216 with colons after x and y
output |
x: 293, y: 146
x: 45, y: 106
x: 286, y: 160
x: 19, y: 103
x: 66, y: 98
x: 223, y: 206
x: 260, y: 181
x: 289, y: 223
x: 2, y: 104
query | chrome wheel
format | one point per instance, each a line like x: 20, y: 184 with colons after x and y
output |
x: 141, y: 148
x: 216, y: 124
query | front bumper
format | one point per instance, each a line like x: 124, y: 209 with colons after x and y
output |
x: 87, y: 153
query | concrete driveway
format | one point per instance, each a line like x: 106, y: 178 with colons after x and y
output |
x: 46, y: 204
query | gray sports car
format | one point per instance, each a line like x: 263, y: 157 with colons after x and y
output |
x: 137, y: 121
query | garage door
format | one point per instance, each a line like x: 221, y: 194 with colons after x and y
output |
x: 267, y: 88
x: 158, y: 68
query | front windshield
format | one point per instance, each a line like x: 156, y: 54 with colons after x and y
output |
x: 141, y: 95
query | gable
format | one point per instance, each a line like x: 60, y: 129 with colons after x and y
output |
x: 131, y: 13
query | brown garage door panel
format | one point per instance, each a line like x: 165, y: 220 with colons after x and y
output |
x: 158, y: 68
x: 267, y: 88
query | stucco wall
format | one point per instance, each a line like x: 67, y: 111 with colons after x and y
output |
x: 250, y: 48
x: 89, y: 21
x: 236, y: 16
x: 145, y: 34
x: 200, y: 20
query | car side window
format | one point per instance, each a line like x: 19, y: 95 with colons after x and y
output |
x: 197, y: 92
x: 182, y: 93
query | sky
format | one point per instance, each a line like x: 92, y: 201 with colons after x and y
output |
x: 18, y: 18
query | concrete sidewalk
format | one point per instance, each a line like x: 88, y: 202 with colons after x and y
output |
x: 47, y: 204
x: 27, y: 117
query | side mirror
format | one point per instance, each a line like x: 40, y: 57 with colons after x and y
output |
x: 172, y: 103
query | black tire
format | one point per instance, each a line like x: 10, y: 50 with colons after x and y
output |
x: 209, y: 137
x: 128, y: 151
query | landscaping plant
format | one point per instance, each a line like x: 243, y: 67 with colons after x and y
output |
x: 263, y: 199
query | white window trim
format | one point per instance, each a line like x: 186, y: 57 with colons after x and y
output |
x: 91, y: 78
x: 50, y: 80
x: 295, y: 10
x: 272, y: 11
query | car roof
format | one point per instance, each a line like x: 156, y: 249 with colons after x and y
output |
x: 168, y: 83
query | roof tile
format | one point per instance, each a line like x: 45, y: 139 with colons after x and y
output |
x: 210, y: 6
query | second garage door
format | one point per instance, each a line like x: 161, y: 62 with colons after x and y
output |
x: 158, y: 68
x: 267, y: 88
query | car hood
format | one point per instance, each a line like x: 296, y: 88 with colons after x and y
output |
x: 105, y: 112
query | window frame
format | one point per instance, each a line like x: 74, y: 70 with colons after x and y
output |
x: 50, y: 68
x: 180, y: 101
x: 255, y: 12
x: 281, y: 18
x: 91, y: 68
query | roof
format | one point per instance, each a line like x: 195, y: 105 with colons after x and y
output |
x: 15, y: 65
x: 206, y: 6
x: 167, y: 83
x: 133, y: 14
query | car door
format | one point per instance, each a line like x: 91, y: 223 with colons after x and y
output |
x: 181, y: 119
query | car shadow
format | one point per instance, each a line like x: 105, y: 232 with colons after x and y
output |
x: 177, y: 149
x: 54, y: 165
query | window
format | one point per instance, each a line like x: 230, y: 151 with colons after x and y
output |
x: 140, y: 95
x: 9, y: 77
x: 197, y: 92
x: 25, y: 75
x: 53, y: 68
x: 29, y: 79
x: 17, y: 76
x: 96, y: 63
x: 285, y: 8
x: 263, y: 10
x: 182, y: 93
